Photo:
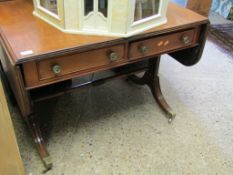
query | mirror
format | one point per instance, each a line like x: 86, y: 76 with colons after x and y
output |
x: 103, y: 7
x: 88, y: 6
x: 146, y: 8
x: 50, y: 5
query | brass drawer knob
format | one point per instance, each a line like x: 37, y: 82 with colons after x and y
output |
x: 185, y: 39
x: 56, y: 69
x: 143, y: 49
x: 112, y: 55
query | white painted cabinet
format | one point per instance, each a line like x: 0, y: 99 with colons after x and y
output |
x: 102, y: 17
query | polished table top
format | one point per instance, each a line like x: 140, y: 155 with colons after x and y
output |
x: 21, y: 31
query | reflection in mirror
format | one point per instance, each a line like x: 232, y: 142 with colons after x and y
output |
x: 50, y: 5
x: 146, y: 8
x: 103, y: 7
x: 89, y: 6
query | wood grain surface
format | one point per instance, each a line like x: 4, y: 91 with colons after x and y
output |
x: 10, y: 160
x: 22, y: 32
x: 200, y: 6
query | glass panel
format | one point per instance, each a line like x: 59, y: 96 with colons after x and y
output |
x: 50, y: 5
x: 88, y: 6
x: 103, y: 7
x: 146, y: 8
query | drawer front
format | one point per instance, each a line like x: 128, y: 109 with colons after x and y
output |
x: 162, y: 44
x: 58, y: 67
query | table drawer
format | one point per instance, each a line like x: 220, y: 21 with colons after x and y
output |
x: 165, y: 43
x: 70, y: 64
x: 55, y: 69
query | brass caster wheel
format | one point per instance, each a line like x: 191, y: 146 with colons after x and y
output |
x: 171, y: 117
x: 47, y: 163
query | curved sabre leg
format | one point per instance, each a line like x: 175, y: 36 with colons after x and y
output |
x: 39, y: 141
x: 151, y: 79
x: 157, y: 93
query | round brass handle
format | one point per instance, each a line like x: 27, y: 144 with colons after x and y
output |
x: 185, y: 39
x: 112, y: 55
x: 56, y: 69
x: 143, y: 49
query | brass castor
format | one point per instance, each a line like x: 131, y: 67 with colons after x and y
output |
x: 47, y: 161
x: 171, y: 117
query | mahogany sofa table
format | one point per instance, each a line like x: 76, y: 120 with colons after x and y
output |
x: 40, y: 61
